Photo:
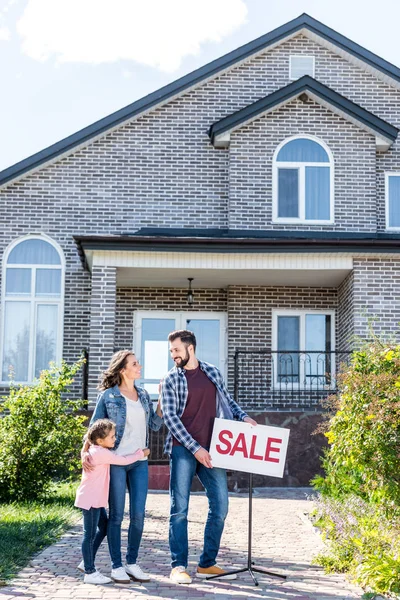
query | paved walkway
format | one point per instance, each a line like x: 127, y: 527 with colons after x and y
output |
x: 282, y: 541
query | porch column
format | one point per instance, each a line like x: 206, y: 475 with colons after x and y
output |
x: 102, y: 324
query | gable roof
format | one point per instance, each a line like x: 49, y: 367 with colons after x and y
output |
x: 384, y: 132
x: 302, y: 24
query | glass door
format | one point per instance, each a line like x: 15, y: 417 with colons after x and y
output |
x: 152, y: 347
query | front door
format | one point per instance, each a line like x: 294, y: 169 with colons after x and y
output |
x: 152, y: 348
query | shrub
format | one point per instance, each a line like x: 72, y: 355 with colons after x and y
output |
x: 364, y: 434
x: 362, y: 540
x: 40, y: 434
x: 359, y: 507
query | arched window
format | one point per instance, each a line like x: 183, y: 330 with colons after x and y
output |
x: 303, y: 182
x: 32, y: 292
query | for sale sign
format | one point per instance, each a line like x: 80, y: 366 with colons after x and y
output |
x: 239, y: 446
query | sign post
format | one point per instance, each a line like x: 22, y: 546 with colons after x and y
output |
x: 260, y: 449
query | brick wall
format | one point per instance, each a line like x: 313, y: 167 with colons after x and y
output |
x: 376, y: 297
x: 102, y: 323
x: 345, y: 313
x: 166, y: 299
x: 251, y: 158
x: 177, y: 179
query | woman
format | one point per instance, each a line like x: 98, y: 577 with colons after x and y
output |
x: 132, y: 411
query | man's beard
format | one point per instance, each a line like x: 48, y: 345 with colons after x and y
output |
x: 183, y: 361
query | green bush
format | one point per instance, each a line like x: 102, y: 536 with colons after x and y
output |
x: 364, y: 434
x: 360, y: 539
x: 40, y: 435
x: 358, y: 510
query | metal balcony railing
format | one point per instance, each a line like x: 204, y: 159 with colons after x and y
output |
x: 286, y: 379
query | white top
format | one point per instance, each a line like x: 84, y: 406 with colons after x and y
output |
x: 134, y: 437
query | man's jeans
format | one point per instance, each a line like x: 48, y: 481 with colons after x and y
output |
x: 135, y: 476
x: 94, y: 532
x: 183, y: 467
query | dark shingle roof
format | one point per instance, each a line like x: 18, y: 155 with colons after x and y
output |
x: 302, y: 22
x: 318, y: 90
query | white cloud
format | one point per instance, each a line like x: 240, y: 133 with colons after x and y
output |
x: 157, y: 33
x: 5, y: 34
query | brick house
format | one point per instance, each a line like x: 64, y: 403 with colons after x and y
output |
x: 271, y: 177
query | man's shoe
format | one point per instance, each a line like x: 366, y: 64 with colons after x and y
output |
x: 81, y: 567
x: 120, y: 575
x: 180, y: 575
x: 136, y: 573
x: 96, y: 578
x: 215, y: 570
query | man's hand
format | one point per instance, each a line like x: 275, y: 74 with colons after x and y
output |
x: 203, y: 457
x: 146, y: 451
x: 250, y: 420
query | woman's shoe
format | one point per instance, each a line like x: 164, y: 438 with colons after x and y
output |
x: 96, y: 578
x: 120, y: 575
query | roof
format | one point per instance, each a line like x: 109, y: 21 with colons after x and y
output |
x: 236, y: 241
x: 304, y: 23
x: 385, y: 132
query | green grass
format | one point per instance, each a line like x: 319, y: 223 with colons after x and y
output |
x: 27, y: 527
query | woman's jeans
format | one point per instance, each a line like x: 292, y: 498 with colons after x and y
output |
x: 183, y: 467
x: 94, y: 532
x: 135, y: 476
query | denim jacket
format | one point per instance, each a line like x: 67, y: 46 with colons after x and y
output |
x: 112, y: 405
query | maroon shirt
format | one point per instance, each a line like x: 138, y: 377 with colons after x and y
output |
x: 201, y: 407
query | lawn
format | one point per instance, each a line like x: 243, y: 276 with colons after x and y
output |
x: 27, y: 527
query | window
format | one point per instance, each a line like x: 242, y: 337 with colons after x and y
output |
x: 392, y: 186
x: 32, y: 299
x: 301, y: 65
x: 303, y: 342
x: 302, y: 182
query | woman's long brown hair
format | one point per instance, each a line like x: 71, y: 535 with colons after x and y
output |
x: 112, y: 375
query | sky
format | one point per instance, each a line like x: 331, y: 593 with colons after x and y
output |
x: 67, y: 63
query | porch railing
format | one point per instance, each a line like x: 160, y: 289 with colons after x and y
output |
x: 285, y: 379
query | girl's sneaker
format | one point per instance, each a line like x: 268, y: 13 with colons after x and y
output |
x: 81, y: 567
x: 96, y: 578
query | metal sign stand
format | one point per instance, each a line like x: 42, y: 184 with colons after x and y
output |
x: 250, y: 564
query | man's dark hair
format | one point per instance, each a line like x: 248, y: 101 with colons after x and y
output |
x: 186, y: 337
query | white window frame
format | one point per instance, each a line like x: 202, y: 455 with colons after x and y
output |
x: 387, y: 199
x: 34, y: 301
x: 302, y: 314
x: 301, y: 166
x: 301, y: 56
x: 180, y: 318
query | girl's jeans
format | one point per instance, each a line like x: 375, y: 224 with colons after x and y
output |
x: 94, y: 532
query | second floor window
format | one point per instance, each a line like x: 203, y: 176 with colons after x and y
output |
x: 303, y: 182
x: 392, y: 200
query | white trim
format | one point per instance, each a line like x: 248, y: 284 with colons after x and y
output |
x: 387, y: 175
x: 34, y: 301
x: 301, y: 220
x: 180, y: 323
x: 301, y: 56
x: 277, y: 312
x: 210, y: 260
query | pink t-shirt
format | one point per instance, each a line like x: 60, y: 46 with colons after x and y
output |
x: 94, y: 486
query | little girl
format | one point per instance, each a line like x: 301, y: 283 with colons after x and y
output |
x: 92, y: 493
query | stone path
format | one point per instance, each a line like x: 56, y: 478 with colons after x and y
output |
x: 282, y: 542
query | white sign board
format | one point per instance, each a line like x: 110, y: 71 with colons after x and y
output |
x: 257, y: 449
